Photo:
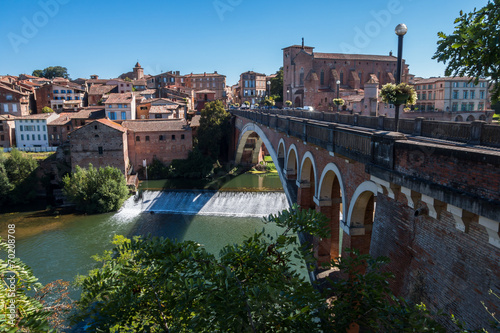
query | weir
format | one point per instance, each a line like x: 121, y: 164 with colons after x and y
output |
x: 225, y: 203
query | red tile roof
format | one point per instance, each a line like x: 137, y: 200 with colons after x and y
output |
x: 101, y: 89
x: 110, y: 123
x: 119, y: 98
x: 156, y: 125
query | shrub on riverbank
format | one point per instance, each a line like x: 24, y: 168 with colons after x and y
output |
x: 96, y: 190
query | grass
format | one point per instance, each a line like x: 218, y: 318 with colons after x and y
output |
x: 36, y: 156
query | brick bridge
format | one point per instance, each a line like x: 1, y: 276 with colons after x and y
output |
x: 428, y: 197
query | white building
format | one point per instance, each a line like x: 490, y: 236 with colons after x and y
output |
x: 66, y: 95
x: 31, y: 131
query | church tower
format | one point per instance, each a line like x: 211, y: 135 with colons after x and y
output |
x: 138, y: 71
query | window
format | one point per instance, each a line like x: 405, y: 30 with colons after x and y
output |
x: 429, y: 86
x: 423, y: 95
x: 100, y: 150
x: 182, y: 136
x: 464, y: 107
x: 322, y: 78
x: 173, y: 136
x: 301, y: 77
x: 54, y: 129
x: 45, y: 137
x: 63, y: 91
x: 119, y: 106
x: 472, y: 94
x: 466, y: 93
x: 481, y: 94
x: 465, y: 84
x: 39, y: 137
x: 112, y: 115
x: 110, y: 106
x: 22, y: 136
x: 455, y: 93
x: 147, y: 137
x: 162, y: 138
x: 2, y: 137
x: 482, y: 84
x: 33, y: 137
x: 124, y: 115
x: 480, y: 106
x: 70, y: 91
x: 137, y: 138
x: 454, y: 107
x: 38, y: 128
x: 56, y: 91
x: 14, y: 107
x: 21, y: 128
x: 471, y: 107
x: 6, y: 108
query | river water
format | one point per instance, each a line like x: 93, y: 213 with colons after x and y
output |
x: 61, y: 246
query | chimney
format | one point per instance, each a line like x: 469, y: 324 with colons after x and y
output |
x: 215, y: 72
x: 205, y: 74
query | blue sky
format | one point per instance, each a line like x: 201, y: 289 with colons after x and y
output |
x: 228, y: 36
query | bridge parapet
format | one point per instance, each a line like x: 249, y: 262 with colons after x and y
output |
x: 477, y: 132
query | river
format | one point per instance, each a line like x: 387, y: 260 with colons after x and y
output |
x: 61, y: 246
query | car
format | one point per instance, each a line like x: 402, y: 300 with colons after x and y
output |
x: 308, y: 108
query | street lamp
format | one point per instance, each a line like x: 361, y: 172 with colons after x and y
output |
x: 268, y: 88
x: 338, y: 89
x: 400, y: 30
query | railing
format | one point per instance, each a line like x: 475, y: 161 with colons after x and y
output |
x: 33, y: 149
x: 477, y: 132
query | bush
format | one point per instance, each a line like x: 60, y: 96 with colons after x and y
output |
x: 96, y: 190
x: 197, y: 166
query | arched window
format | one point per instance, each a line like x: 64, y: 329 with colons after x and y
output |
x: 301, y: 77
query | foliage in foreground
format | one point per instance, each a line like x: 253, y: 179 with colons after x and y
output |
x: 158, y: 285
x: 96, y: 190
x: 473, y: 49
x: 18, y: 311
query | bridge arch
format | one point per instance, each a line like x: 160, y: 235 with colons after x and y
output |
x: 330, y: 200
x: 245, y: 133
x: 361, y: 216
x: 281, y: 153
x: 292, y: 162
x: 306, y: 181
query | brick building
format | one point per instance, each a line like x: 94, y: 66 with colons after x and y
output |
x: 101, y: 142
x: 98, y: 91
x: 203, y: 97
x: 310, y: 78
x: 212, y: 81
x: 164, y: 140
x: 59, y: 128
x: 14, y: 101
x: 7, y: 131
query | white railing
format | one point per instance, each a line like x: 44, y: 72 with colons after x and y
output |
x: 33, y: 149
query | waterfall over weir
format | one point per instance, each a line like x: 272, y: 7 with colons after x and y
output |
x: 238, y: 204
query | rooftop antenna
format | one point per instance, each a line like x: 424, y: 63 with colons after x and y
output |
x: 302, y: 42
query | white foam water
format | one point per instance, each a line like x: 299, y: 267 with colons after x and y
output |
x: 238, y: 204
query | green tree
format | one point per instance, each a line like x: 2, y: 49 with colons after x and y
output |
x: 5, y: 185
x: 52, y: 72
x: 277, y: 85
x: 159, y: 285
x: 18, y: 311
x: 96, y: 190
x: 47, y: 109
x: 473, y: 49
x: 37, y: 73
x: 214, y: 130
x: 19, y: 166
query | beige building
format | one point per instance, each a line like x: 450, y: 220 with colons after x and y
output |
x: 121, y: 107
x: 66, y: 95
x: 252, y: 87
x: 207, y: 81
x: 452, y: 98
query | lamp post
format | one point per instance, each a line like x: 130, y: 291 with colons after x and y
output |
x: 400, y: 30
x: 338, y: 90
x: 268, y: 89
